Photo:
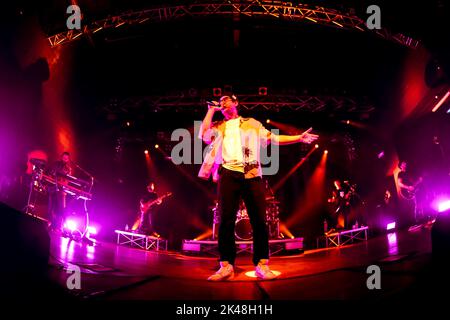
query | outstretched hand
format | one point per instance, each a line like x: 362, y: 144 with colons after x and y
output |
x: 308, y: 137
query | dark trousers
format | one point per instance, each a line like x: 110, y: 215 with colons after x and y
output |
x: 407, y: 212
x: 56, y: 208
x: 231, y: 188
x: 145, y: 224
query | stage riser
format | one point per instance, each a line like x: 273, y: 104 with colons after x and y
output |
x: 244, y: 247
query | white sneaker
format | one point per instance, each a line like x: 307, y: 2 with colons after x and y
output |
x: 226, y: 272
x: 263, y: 271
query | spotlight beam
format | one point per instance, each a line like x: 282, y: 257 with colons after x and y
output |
x: 204, y: 235
x: 187, y: 175
x: 284, y: 127
x: 291, y: 172
x: 313, y: 196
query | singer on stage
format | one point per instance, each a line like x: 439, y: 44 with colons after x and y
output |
x: 234, y: 161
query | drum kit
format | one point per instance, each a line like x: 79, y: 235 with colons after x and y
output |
x: 243, y: 228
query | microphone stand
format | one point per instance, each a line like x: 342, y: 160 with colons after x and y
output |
x: 86, y: 173
x: 85, y: 235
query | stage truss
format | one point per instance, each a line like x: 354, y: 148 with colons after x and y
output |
x: 276, y: 10
x: 346, y: 105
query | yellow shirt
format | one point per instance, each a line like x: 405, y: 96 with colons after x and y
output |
x: 252, y: 136
x: 232, y: 147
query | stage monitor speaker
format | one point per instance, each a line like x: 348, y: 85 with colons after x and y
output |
x: 440, y: 237
x: 25, y: 251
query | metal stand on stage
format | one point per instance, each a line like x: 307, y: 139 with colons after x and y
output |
x: 35, y: 186
x: 141, y: 241
x: 337, y: 239
x: 78, y: 189
x: 85, y: 237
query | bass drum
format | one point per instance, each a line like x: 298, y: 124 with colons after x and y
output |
x: 243, y: 228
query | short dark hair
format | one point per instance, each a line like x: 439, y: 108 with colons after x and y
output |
x: 65, y: 153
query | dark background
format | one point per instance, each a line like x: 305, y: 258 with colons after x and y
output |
x: 57, y: 99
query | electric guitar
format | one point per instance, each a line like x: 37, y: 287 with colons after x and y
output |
x: 410, y: 194
x: 147, y: 205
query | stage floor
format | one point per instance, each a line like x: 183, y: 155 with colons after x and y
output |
x: 113, y: 272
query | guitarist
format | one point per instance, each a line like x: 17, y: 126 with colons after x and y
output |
x: 147, y: 206
x: 405, y: 183
x: 341, y: 198
x: 407, y: 191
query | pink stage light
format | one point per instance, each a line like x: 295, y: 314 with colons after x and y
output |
x: 92, y: 230
x: 392, y: 242
x: 390, y: 226
x: 71, y: 225
x: 443, y: 205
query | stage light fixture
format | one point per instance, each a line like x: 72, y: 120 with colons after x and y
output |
x: 390, y: 226
x: 92, y: 230
x: 70, y: 225
x: 444, y: 206
x: 262, y: 91
x: 441, y: 102
x: 146, y: 151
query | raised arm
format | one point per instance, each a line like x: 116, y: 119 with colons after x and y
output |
x: 305, y: 137
x: 207, y: 122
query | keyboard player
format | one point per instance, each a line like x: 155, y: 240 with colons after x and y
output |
x: 56, y: 195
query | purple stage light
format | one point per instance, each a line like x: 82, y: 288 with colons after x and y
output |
x: 390, y: 226
x: 443, y: 205
x: 92, y: 230
x: 392, y: 242
x: 71, y: 225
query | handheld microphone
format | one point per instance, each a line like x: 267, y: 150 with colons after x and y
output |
x: 214, y: 104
